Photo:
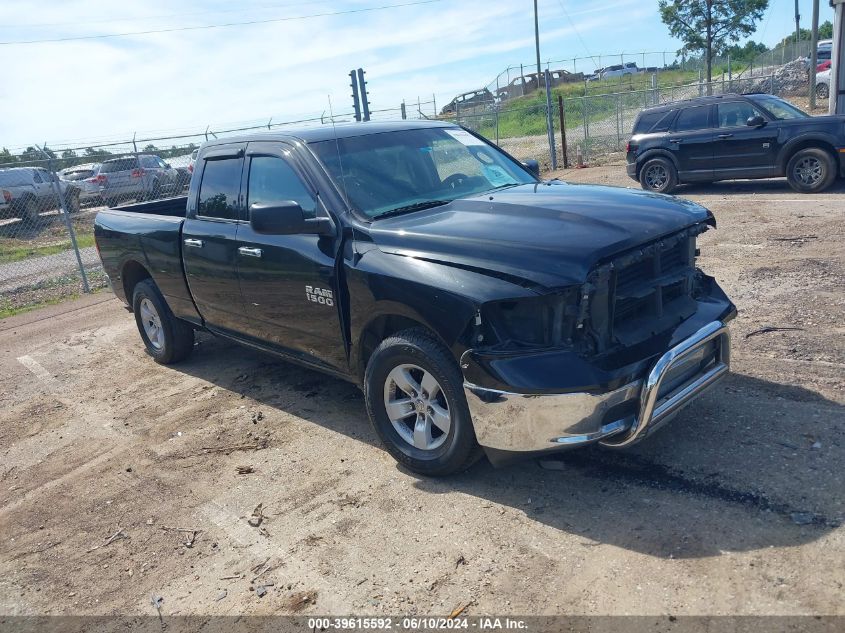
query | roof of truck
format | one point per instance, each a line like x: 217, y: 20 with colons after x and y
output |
x: 329, y: 132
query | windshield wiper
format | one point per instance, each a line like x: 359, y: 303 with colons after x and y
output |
x: 416, y: 206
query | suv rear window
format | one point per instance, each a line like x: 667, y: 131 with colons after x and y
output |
x: 121, y: 164
x: 697, y: 118
x: 654, y: 122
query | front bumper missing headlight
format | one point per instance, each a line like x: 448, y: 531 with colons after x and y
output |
x: 517, y: 422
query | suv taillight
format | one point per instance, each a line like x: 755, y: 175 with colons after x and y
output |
x: 190, y: 169
x: 7, y: 196
x: 630, y: 147
x: 137, y: 173
x: 99, y: 179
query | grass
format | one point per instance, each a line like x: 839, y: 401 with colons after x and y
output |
x: 525, y: 116
x: 11, y: 253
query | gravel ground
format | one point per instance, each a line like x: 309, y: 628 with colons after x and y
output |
x: 735, y: 508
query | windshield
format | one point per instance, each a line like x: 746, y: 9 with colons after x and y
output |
x: 408, y: 170
x: 781, y: 109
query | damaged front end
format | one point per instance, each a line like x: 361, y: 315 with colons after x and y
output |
x: 604, y: 361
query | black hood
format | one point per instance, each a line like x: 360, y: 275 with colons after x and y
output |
x: 548, y: 234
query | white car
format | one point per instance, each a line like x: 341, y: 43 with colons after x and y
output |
x: 823, y: 84
x: 618, y: 70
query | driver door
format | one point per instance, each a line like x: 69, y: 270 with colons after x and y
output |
x: 288, y: 283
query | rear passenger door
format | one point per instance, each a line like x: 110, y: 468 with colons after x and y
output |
x: 288, y: 282
x: 741, y: 151
x: 691, y: 141
x: 209, y: 238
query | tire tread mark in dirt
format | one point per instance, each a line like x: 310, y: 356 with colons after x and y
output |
x: 637, y: 470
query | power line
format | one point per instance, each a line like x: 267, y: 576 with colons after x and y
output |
x: 575, y: 28
x: 134, y: 18
x: 217, y: 26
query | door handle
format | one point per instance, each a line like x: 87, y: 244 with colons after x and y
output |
x: 194, y: 243
x: 676, y: 140
x: 725, y: 135
x: 250, y: 252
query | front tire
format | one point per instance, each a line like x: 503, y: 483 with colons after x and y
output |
x: 167, y: 339
x: 659, y: 175
x: 810, y: 170
x: 415, y: 401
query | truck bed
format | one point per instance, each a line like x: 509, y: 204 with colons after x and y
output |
x: 148, y: 233
x: 172, y: 207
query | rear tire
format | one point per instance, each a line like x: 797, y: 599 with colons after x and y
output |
x: 810, y: 170
x: 167, y: 339
x: 659, y: 175
x: 416, y: 376
x: 72, y: 202
x: 29, y: 211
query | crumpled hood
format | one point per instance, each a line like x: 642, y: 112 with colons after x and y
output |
x: 549, y: 234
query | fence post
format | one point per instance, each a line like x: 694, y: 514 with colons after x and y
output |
x: 434, y: 104
x: 700, y: 85
x: 586, y: 130
x: 496, y: 110
x: 550, y: 126
x: 730, y: 76
x: 562, y: 116
x: 402, y: 108
x: 57, y: 191
x: 618, y: 125
x: 654, y: 97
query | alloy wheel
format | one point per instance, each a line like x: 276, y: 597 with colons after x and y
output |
x: 417, y: 407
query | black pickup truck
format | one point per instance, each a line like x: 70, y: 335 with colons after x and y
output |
x: 476, y: 305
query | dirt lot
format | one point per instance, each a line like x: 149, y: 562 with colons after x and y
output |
x: 734, y: 509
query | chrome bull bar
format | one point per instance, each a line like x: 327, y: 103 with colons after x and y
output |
x: 657, y: 408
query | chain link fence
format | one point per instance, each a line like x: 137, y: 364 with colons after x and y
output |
x: 49, y: 197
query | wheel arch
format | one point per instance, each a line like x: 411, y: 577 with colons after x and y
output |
x: 383, y: 325
x: 131, y: 274
x: 790, y: 149
x: 656, y: 153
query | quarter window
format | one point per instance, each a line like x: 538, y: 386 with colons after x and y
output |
x: 221, y: 180
x: 273, y: 181
x: 693, y: 119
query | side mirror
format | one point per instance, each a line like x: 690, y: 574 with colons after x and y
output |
x: 756, y: 121
x: 286, y: 218
x: 533, y: 166
x: 167, y: 165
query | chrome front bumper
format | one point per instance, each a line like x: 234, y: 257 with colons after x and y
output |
x: 529, y: 422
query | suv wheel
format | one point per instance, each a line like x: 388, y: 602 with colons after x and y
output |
x: 72, y: 201
x: 167, y: 339
x: 416, y: 404
x: 659, y: 175
x: 810, y: 170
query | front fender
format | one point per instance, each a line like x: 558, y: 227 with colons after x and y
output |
x: 441, y: 297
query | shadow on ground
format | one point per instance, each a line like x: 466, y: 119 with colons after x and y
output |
x: 727, y: 475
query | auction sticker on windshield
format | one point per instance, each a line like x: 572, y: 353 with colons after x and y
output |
x: 465, y: 137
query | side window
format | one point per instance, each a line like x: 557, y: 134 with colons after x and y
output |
x: 735, y: 113
x: 693, y: 119
x: 37, y: 177
x: 272, y: 180
x: 219, y: 189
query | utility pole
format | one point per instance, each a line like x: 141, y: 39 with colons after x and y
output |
x: 537, y: 40
x: 797, y: 24
x: 814, y: 59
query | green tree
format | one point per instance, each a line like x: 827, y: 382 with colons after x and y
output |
x: 151, y: 149
x: 711, y: 26
x: 805, y: 35
x: 746, y: 53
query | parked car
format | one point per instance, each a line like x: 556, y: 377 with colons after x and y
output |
x: 5, y: 203
x: 526, y: 84
x: 476, y: 305
x: 732, y: 136
x: 471, y: 99
x: 136, y: 177
x: 32, y: 191
x: 823, y: 84
x: 85, y: 178
x: 823, y: 66
x: 618, y: 70
x: 824, y: 50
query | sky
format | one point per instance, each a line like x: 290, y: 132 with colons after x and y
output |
x: 81, y: 92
